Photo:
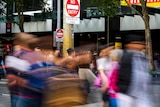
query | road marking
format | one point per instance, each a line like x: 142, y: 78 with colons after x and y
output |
x: 3, y: 82
x: 3, y: 94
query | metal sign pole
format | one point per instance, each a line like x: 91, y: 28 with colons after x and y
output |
x: 58, y: 20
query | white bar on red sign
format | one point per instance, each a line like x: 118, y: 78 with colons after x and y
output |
x: 70, y: 6
x: 59, y: 33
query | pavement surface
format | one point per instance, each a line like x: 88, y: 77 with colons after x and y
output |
x: 5, y: 97
x: 4, y: 94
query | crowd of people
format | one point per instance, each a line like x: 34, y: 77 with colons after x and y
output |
x: 39, y: 76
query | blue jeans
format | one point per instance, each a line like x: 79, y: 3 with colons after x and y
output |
x: 14, y: 100
x: 29, y: 102
x: 113, y: 102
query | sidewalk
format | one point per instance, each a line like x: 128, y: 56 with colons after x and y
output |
x: 99, y: 104
x: 4, y: 94
x: 94, y: 95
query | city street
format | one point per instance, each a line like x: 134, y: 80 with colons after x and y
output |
x: 5, y: 97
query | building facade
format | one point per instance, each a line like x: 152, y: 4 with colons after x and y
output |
x: 92, y: 28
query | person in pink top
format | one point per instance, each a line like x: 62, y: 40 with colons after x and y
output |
x: 103, y: 66
x: 115, y: 55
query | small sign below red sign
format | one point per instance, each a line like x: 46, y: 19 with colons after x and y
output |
x: 59, y: 35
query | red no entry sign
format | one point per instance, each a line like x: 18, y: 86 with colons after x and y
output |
x: 72, y: 7
x: 59, y: 33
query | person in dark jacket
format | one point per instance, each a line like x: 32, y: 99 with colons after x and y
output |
x: 134, y: 78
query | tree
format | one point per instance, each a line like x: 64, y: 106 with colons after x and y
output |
x: 145, y: 16
x: 109, y: 7
x: 20, y: 7
x: 2, y: 8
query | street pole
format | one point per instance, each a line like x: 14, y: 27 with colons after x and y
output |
x: 68, y: 40
x: 108, y: 30
x: 53, y: 25
x: 58, y: 21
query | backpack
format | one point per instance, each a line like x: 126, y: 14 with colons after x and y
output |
x: 65, y: 90
x: 125, y: 72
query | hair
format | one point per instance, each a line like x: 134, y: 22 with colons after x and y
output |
x: 117, y: 54
x: 70, y: 51
x: 133, y: 38
x: 106, y: 46
x: 26, y: 40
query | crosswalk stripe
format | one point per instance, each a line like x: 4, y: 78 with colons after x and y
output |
x: 3, y: 82
x: 3, y: 94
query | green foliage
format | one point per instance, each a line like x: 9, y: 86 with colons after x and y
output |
x: 109, y: 7
x: 20, y: 6
x: 2, y: 7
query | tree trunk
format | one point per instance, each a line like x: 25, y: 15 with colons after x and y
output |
x: 145, y: 18
x: 21, y: 23
x: 19, y: 7
x: 148, y: 35
x: 149, y: 45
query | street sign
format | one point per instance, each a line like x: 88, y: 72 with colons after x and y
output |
x: 72, y: 7
x: 59, y: 35
x: 73, y: 11
x: 8, y: 27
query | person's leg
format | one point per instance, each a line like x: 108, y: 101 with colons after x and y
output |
x: 29, y: 102
x: 105, y: 98
x: 14, y: 100
x: 113, y: 102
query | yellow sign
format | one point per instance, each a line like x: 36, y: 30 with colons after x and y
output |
x: 118, y: 45
x: 150, y: 3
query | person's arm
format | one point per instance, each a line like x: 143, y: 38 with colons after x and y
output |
x: 101, y: 67
x: 82, y: 59
x: 103, y: 80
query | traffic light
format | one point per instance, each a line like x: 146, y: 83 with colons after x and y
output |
x: 8, y: 27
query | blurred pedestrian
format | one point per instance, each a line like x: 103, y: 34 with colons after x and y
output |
x: 156, y: 59
x: 13, y: 76
x: 72, y: 64
x: 28, y: 56
x: 103, y: 66
x: 74, y: 93
x: 133, y: 77
x: 115, y: 56
x: 93, y: 64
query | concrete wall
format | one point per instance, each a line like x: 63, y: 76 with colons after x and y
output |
x: 136, y: 23
x: 39, y: 26
x: 88, y: 25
